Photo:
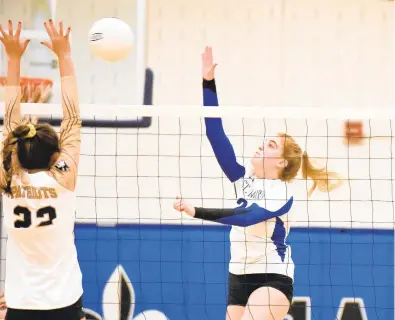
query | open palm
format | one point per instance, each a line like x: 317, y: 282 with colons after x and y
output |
x: 208, y: 66
x: 60, y: 42
x: 13, y: 46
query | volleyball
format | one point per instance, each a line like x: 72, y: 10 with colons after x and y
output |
x: 111, y: 39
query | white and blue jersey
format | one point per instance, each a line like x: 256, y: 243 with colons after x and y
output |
x: 260, y: 227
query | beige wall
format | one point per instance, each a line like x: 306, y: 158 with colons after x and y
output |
x: 271, y: 52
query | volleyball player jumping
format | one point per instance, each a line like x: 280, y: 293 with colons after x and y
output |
x: 38, y: 177
x: 261, y: 269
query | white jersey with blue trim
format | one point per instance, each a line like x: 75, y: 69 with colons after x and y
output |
x: 261, y: 248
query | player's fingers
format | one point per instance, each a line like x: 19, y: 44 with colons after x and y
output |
x: 179, y: 206
x: 48, y: 29
x: 213, y: 67
x: 10, y: 32
x: 53, y: 28
x: 61, y: 27
x: 68, y: 32
x: 18, y: 30
x: 2, y: 31
x: 176, y: 205
x: 47, y: 44
x: 204, y: 54
x: 25, y: 44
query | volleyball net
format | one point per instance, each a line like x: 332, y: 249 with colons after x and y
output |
x: 141, y: 258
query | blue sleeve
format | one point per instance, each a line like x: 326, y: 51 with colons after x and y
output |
x: 242, y: 216
x: 220, y: 143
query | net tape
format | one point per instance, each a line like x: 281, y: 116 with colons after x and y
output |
x: 91, y: 111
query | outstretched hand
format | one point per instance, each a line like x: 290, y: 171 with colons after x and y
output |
x: 59, y: 40
x: 13, y: 46
x: 208, y: 65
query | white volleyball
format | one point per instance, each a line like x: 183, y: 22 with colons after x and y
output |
x: 111, y: 39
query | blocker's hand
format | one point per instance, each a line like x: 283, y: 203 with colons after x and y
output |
x: 60, y: 43
x: 13, y: 46
x: 208, y: 66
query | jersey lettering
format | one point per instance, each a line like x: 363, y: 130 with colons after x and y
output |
x: 31, y: 192
x: 252, y: 193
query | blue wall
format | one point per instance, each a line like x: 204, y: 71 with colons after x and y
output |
x: 182, y: 271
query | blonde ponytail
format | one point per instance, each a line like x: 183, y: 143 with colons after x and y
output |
x: 324, y: 180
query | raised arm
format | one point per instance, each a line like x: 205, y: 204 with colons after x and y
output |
x: 14, y: 49
x: 220, y: 143
x: 242, y: 216
x: 65, y: 169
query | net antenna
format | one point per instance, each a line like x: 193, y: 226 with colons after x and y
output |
x: 52, y: 8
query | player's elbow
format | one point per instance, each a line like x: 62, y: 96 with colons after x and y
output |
x: 233, y: 173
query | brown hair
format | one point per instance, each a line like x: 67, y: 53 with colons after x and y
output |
x: 34, y: 146
x: 323, y: 179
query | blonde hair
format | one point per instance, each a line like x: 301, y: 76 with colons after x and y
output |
x: 324, y: 180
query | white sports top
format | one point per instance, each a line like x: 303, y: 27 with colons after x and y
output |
x: 261, y: 248
x: 42, y: 270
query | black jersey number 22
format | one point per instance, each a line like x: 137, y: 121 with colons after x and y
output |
x: 25, y: 216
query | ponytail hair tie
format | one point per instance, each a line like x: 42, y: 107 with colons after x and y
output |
x: 32, y: 132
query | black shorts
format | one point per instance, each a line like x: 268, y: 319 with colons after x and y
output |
x: 73, y: 312
x: 240, y: 287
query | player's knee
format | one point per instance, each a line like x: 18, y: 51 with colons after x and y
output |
x: 234, y: 312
